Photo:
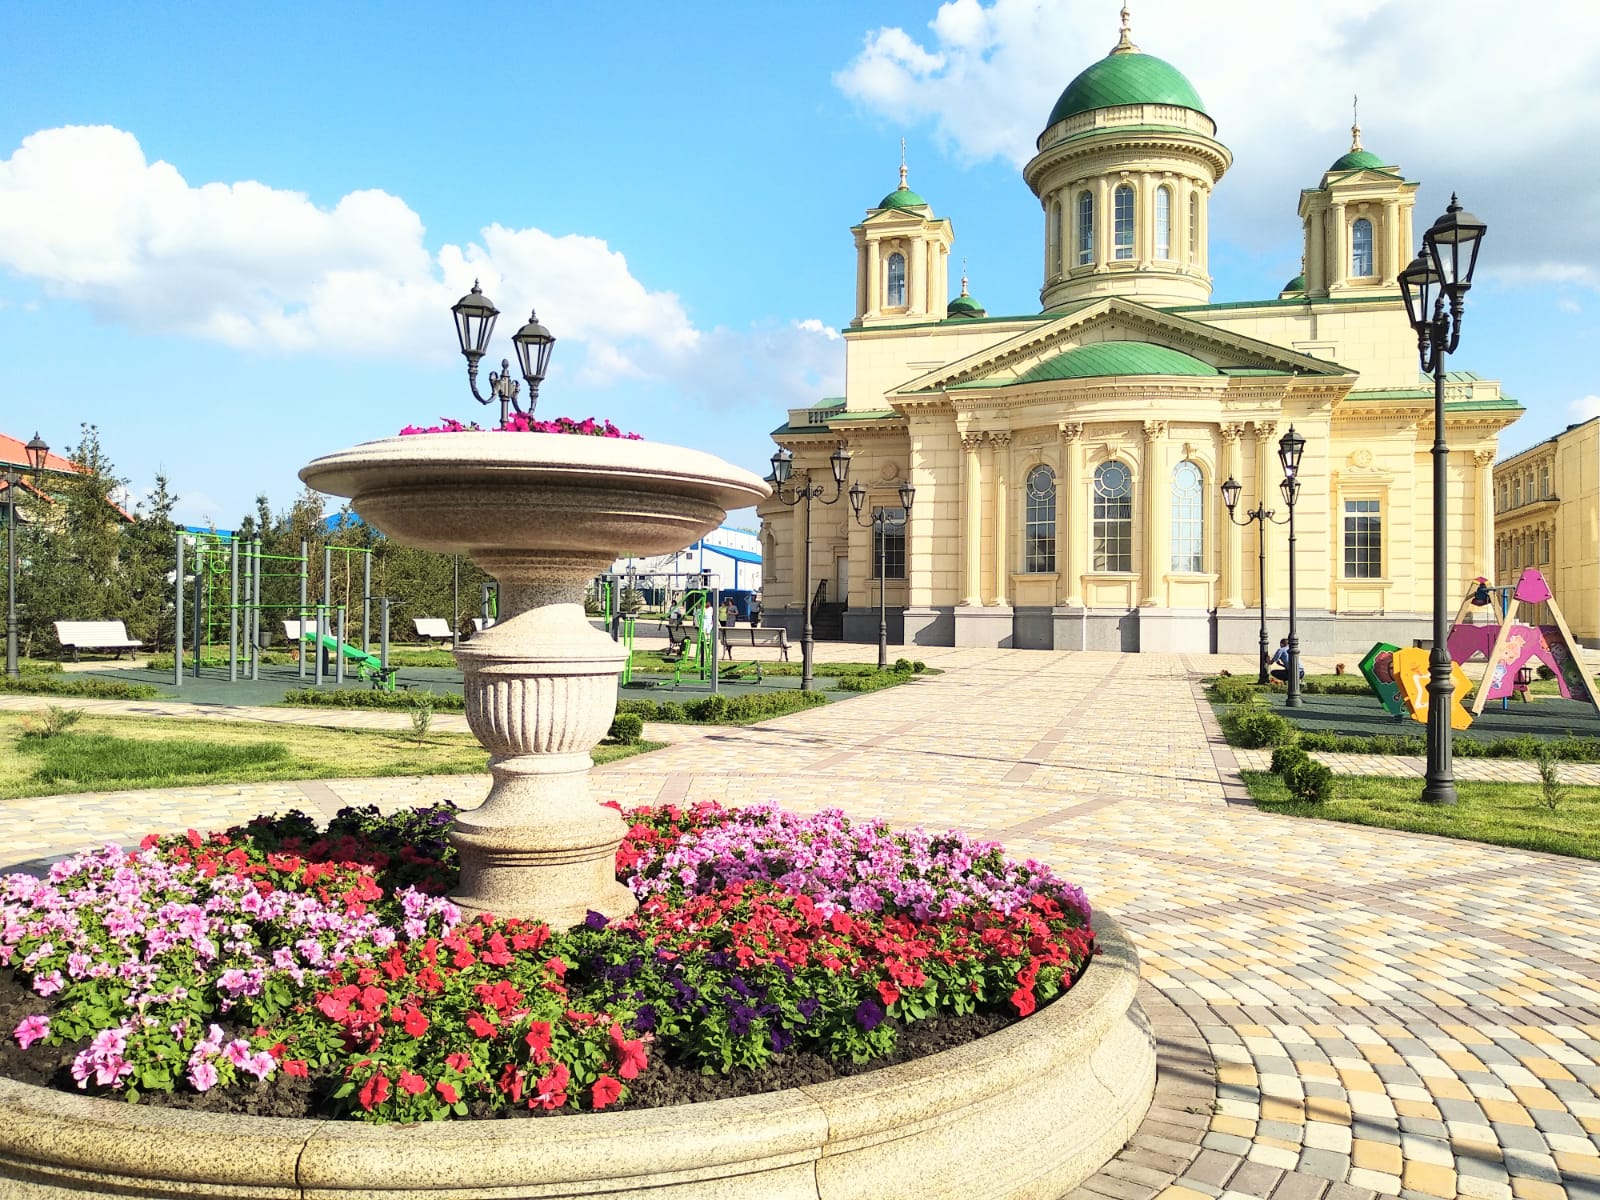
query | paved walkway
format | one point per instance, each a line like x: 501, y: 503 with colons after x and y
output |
x: 1341, y: 1011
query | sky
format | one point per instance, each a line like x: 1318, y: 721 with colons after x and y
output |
x: 230, y: 236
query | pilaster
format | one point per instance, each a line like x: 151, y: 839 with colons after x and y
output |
x: 972, y: 522
x: 1232, y: 535
x: 1000, y: 452
x: 1071, y: 529
x: 1155, y: 526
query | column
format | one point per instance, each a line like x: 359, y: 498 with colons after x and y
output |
x: 1102, y: 222
x: 1180, y: 221
x: 1232, y: 535
x: 1340, y: 249
x: 1392, y: 262
x: 1144, y: 225
x: 1000, y: 454
x: 1266, y: 491
x: 916, y: 279
x: 1069, y: 514
x: 1205, y: 233
x: 972, y: 525
x: 1316, y: 255
x: 874, y: 280
x: 1484, y: 461
x: 861, y: 280
x: 1156, y: 513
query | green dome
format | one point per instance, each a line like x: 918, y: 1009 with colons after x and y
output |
x: 965, y: 306
x: 1359, y: 160
x: 902, y: 197
x: 1126, y: 78
x: 1297, y: 284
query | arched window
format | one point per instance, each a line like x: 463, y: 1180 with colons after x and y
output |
x: 1085, y: 228
x: 1113, y: 517
x: 1163, y: 222
x: 1052, y: 240
x: 897, y: 281
x: 1039, y: 525
x: 1188, y: 519
x: 1122, y: 222
x: 1194, y: 227
x: 1361, y: 248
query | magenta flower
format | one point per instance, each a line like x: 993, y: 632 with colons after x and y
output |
x: 203, y: 1076
x: 33, y: 1029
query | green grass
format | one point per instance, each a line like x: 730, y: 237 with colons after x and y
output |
x: 1500, y: 814
x: 117, y: 753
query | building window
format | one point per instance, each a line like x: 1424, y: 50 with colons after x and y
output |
x: 1039, y: 526
x: 1113, y: 517
x: 1188, y: 519
x: 1194, y: 227
x: 1164, y: 222
x: 1085, y: 229
x: 1544, y: 547
x: 1361, y: 248
x: 1122, y: 222
x: 889, y: 544
x: 1500, y: 559
x: 1363, y: 540
x: 1544, y: 482
x: 1516, y: 491
x: 897, y: 281
x: 1505, y: 495
x: 1052, y: 238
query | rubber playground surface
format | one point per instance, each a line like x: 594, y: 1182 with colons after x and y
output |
x: 1541, y: 717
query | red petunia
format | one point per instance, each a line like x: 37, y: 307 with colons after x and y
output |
x: 888, y: 992
x: 1023, y: 999
x: 479, y: 1026
x: 459, y: 1061
x: 296, y: 1067
x: 631, y: 1057
x: 447, y: 1091
x: 416, y: 1024
x: 606, y: 1091
x: 538, y: 1039
x: 412, y: 1085
x: 374, y: 1092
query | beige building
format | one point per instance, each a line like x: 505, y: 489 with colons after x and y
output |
x: 1068, y: 463
x: 1547, y: 515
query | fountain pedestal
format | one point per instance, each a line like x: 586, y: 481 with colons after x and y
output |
x: 543, y: 514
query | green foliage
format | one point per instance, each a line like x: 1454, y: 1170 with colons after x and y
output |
x: 1307, y: 780
x: 50, y: 721
x: 87, y: 687
x: 103, y: 760
x: 903, y: 665
x: 1233, y: 689
x: 1253, y: 725
x: 872, y: 682
x: 421, y: 716
x: 1550, y: 778
x: 1335, y: 685
x: 626, y: 729
x: 710, y: 711
x: 1286, y: 756
x: 732, y: 710
x: 354, y: 698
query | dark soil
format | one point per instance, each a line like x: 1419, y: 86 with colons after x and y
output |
x: 665, y: 1083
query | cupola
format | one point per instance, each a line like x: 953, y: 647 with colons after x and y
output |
x: 902, y: 259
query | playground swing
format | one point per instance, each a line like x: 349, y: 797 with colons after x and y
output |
x: 1511, y: 648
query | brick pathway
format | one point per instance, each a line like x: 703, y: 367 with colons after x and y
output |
x: 1340, y: 1011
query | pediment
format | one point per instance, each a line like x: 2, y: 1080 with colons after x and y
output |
x: 1118, y: 337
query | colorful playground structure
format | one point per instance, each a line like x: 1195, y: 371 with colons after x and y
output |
x: 1510, y: 650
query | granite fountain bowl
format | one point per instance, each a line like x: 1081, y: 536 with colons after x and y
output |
x: 1030, y: 1111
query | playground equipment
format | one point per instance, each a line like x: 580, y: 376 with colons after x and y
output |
x: 228, y: 578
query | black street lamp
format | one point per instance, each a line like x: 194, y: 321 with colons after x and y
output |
x: 37, y: 449
x: 804, y: 491
x: 1262, y: 514
x: 1442, y: 272
x: 475, y: 315
x: 1290, y: 447
x: 880, y: 522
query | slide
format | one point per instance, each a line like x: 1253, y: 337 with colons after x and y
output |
x: 355, y: 653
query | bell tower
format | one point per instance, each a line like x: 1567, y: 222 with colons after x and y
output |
x: 1358, y: 234
x: 902, y: 260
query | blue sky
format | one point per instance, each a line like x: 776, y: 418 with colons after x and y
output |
x: 230, y: 236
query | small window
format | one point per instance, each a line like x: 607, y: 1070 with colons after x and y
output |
x: 1544, y: 548
x: 1516, y: 491
x: 1113, y: 517
x: 897, y: 281
x: 1188, y: 519
x: 1363, y: 540
x: 1085, y: 229
x: 889, y: 544
x: 1122, y: 223
x: 1361, y: 248
x: 1194, y: 227
x: 1039, y: 525
x: 1544, y: 482
x: 1164, y: 222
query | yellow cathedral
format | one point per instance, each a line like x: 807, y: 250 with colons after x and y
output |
x: 1067, y: 464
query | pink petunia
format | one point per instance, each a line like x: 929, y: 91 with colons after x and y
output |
x: 203, y: 1076
x: 32, y: 1029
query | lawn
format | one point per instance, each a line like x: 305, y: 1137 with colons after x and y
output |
x: 116, y: 753
x: 1501, y: 814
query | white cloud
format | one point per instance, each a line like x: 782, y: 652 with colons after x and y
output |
x: 1585, y: 409
x: 1278, y: 80
x: 1567, y: 304
x: 84, y: 214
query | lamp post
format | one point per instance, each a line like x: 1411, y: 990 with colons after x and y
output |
x: 803, y: 491
x: 1441, y: 273
x: 1290, y: 447
x: 879, y: 523
x: 1262, y: 514
x: 475, y: 315
x: 37, y: 449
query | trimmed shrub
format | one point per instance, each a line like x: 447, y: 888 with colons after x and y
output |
x: 1253, y: 726
x: 1286, y: 756
x: 1307, y: 780
x: 903, y: 666
x: 1343, y: 685
x: 92, y: 688
x: 871, y: 683
x: 711, y: 709
x: 728, y: 710
x: 626, y: 729
x: 918, y: 666
x: 1233, y: 689
x: 355, y: 698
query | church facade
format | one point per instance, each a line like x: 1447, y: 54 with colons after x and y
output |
x: 1067, y: 464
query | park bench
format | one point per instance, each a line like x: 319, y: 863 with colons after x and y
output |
x: 433, y: 629
x: 95, y: 635
x: 679, y: 639
x: 753, y: 636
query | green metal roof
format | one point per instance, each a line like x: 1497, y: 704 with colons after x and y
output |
x: 1126, y: 78
x: 1358, y: 160
x: 1108, y: 358
x: 965, y: 306
x: 902, y: 197
x: 1297, y: 284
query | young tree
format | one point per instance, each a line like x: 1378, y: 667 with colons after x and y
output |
x: 149, y: 557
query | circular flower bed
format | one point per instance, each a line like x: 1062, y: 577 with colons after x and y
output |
x: 279, y: 960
